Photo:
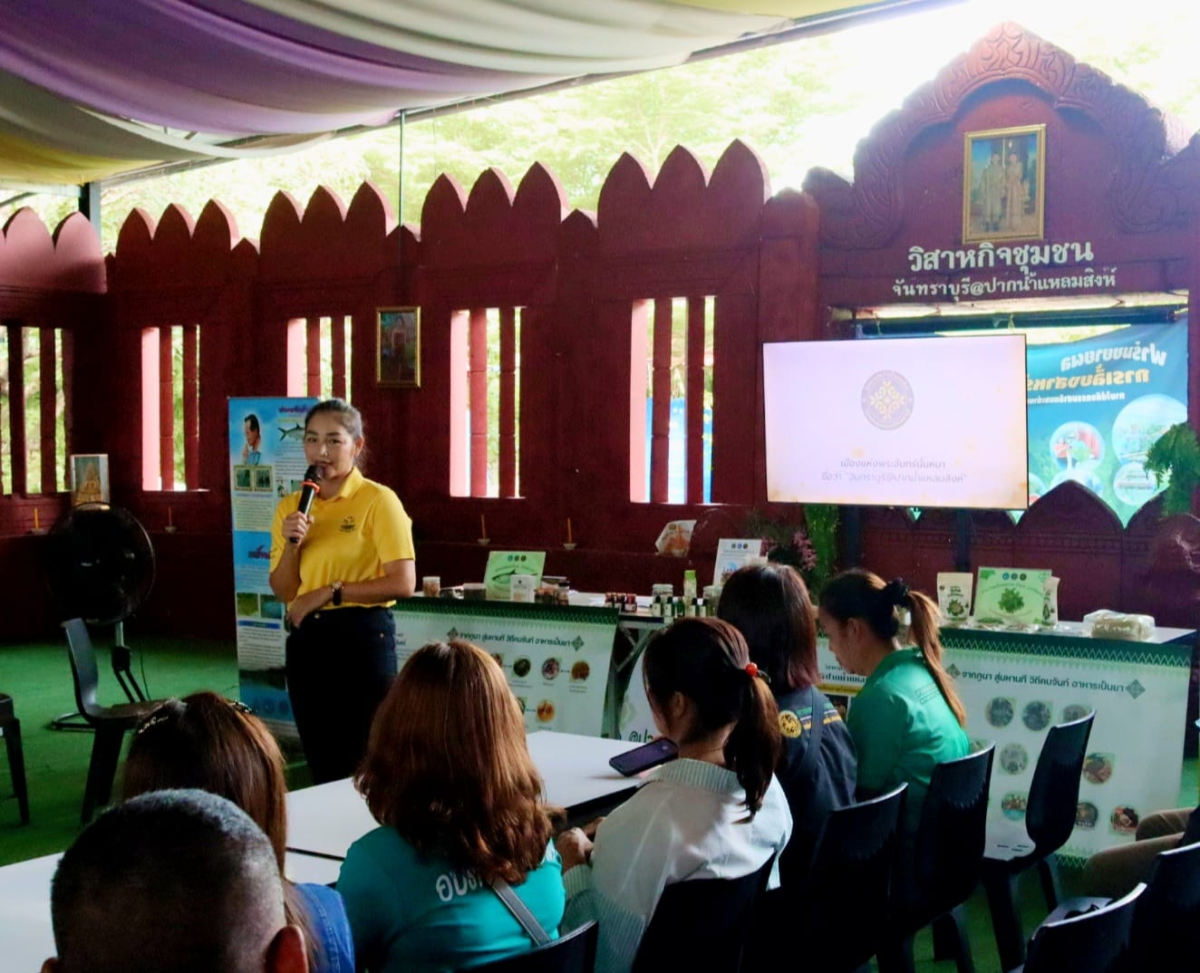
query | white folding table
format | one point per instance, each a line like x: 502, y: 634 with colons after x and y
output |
x: 26, y: 933
x: 323, y: 822
x: 327, y: 819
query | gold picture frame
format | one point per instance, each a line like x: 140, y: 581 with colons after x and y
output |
x: 398, y: 347
x: 1004, y: 184
x: 89, y: 478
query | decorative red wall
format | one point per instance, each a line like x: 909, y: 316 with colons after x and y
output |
x: 1117, y: 176
x: 1120, y: 176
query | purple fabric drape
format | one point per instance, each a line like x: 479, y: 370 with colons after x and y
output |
x: 172, y: 63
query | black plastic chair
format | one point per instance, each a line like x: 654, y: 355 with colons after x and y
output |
x: 1092, y: 942
x: 840, y: 911
x: 109, y: 722
x: 1168, y: 914
x: 574, y: 952
x: 1049, y: 821
x: 10, y: 729
x: 702, y: 924
x: 946, y: 863
x: 1191, y: 834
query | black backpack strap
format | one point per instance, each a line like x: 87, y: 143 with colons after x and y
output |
x: 520, y: 912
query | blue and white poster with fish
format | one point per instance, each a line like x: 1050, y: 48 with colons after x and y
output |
x: 1097, y: 405
x: 266, y: 463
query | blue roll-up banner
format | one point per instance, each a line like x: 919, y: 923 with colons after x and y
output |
x: 266, y: 463
x: 1097, y: 405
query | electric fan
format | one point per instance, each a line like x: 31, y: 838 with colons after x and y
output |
x: 100, y: 567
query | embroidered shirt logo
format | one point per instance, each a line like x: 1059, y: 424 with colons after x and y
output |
x: 348, y: 525
x: 790, y: 724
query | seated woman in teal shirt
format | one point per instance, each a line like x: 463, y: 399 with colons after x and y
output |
x: 449, y: 779
x: 907, y: 718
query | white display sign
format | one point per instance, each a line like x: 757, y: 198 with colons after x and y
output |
x: 556, y: 658
x: 733, y: 554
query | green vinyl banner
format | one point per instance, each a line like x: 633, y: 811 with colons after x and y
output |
x: 1097, y: 405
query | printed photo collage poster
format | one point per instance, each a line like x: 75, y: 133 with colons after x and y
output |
x: 266, y: 463
x: 1096, y: 406
x: 556, y: 658
x: 1015, y: 687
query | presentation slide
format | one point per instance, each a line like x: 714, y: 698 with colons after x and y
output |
x: 914, y: 422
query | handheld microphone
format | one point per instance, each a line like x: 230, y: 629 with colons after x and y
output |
x: 308, y: 491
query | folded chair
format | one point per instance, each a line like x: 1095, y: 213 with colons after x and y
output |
x: 109, y: 722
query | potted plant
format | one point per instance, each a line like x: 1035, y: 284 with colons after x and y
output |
x: 810, y: 547
x: 1174, y: 459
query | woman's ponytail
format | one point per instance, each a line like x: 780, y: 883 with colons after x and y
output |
x: 924, y: 632
x: 706, y: 660
x: 887, y: 608
x: 752, y: 749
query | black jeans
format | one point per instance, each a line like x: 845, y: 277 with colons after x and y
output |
x: 340, y: 664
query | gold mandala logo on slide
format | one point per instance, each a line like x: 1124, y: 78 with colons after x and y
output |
x: 887, y: 400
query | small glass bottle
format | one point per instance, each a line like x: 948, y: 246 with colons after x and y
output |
x: 689, y: 586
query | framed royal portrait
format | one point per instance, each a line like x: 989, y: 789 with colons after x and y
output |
x: 398, y: 331
x: 1004, y: 184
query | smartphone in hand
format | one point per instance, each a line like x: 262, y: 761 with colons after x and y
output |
x: 633, y: 762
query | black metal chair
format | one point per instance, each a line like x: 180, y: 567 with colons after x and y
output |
x: 702, y: 924
x: 1092, y: 942
x: 1049, y: 820
x: 10, y: 729
x: 1191, y: 834
x: 574, y: 952
x: 946, y: 862
x: 840, y: 910
x: 1168, y: 914
x: 109, y: 722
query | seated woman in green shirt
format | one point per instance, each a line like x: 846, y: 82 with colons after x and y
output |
x: 907, y: 718
x: 449, y: 779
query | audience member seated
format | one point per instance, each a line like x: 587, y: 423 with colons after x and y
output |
x: 907, y: 718
x: 769, y: 605
x: 208, y: 742
x: 172, y: 882
x: 449, y: 779
x: 1115, y: 872
x: 716, y: 812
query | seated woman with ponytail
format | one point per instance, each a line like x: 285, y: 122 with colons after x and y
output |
x: 907, y: 717
x: 716, y: 812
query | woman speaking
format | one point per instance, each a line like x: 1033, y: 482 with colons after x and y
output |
x: 339, y: 568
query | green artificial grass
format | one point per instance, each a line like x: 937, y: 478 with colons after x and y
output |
x: 38, y: 677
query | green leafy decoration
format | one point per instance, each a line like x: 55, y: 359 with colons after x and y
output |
x: 811, y: 548
x: 1011, y: 600
x: 1174, y: 459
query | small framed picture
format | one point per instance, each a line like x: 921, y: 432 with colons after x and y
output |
x: 89, y: 479
x: 1004, y: 184
x: 399, y: 337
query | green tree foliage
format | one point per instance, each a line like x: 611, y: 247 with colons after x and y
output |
x: 799, y: 104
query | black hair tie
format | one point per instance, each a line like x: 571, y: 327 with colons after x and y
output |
x: 897, y: 593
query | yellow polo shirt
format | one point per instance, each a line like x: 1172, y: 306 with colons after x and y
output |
x: 352, y: 536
